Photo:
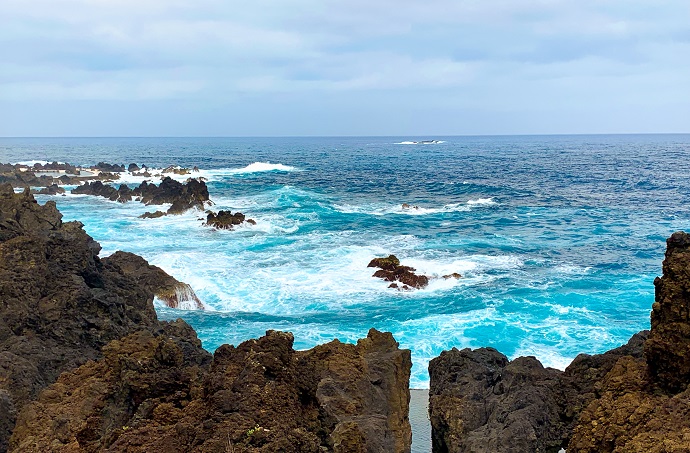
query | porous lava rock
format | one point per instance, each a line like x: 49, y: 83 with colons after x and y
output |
x: 59, y: 302
x: 110, y: 168
x: 226, y: 220
x: 643, y: 403
x: 631, y: 399
x: 128, y: 382
x: 192, y: 194
x: 97, y: 188
x: 390, y: 270
x: 154, y: 392
x: 172, y: 292
x: 480, y: 401
x: 50, y: 190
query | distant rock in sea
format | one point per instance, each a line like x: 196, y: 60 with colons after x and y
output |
x: 390, y: 270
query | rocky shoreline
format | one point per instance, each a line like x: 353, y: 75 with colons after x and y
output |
x: 85, y: 365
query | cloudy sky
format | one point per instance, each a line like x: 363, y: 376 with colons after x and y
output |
x: 336, y: 67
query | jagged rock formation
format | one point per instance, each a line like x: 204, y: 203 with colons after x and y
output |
x: 173, y: 293
x: 123, y: 194
x: 154, y: 392
x: 110, y: 168
x: 625, y: 400
x: 390, y: 270
x: 59, y: 303
x: 643, y: 405
x: 226, y: 220
x: 192, y: 194
x: 141, y: 385
x: 50, y: 190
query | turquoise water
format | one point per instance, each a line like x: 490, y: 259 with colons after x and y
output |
x: 558, y: 237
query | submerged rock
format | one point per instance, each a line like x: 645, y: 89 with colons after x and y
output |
x: 392, y: 271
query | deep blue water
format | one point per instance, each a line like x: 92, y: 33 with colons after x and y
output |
x: 558, y: 237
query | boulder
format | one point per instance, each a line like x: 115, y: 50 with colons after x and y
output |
x: 391, y: 271
x: 226, y: 220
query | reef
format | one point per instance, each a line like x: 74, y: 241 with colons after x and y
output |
x: 402, y: 277
x: 631, y: 399
x: 85, y: 366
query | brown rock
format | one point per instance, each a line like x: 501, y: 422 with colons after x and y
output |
x: 392, y: 271
x: 153, y: 392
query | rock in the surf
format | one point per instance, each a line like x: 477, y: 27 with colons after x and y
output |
x: 226, y: 220
x: 390, y: 270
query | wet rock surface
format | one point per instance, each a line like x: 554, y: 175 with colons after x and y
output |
x: 182, y: 197
x: 402, y: 277
x: 172, y: 292
x: 226, y: 220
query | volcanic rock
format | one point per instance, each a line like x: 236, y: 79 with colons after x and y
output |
x: 99, y: 189
x: 226, y: 220
x: 169, y: 290
x: 110, y: 168
x: 643, y: 404
x: 392, y: 271
x: 133, y: 167
x: 60, y: 302
x: 50, y: 190
x: 154, y: 392
x: 140, y: 385
x: 192, y: 194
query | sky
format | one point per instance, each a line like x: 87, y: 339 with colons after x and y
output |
x: 356, y: 67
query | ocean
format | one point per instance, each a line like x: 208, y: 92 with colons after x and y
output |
x: 558, y: 238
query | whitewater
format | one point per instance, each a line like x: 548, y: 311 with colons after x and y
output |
x: 558, y: 238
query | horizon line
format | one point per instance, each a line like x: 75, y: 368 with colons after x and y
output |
x: 342, y: 136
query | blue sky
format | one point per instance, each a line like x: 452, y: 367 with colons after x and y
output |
x: 325, y: 67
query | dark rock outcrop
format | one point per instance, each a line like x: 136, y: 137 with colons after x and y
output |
x: 128, y: 382
x: 192, y: 194
x: 110, y: 168
x: 169, y: 290
x: 668, y: 348
x: 643, y: 404
x: 99, y: 189
x: 390, y: 270
x: 631, y: 399
x: 50, y: 190
x: 226, y: 220
x: 133, y: 167
x: 59, y: 303
x: 481, y: 402
x: 153, y: 392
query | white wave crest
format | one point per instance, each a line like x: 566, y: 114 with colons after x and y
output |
x: 257, y: 167
x: 386, y: 209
